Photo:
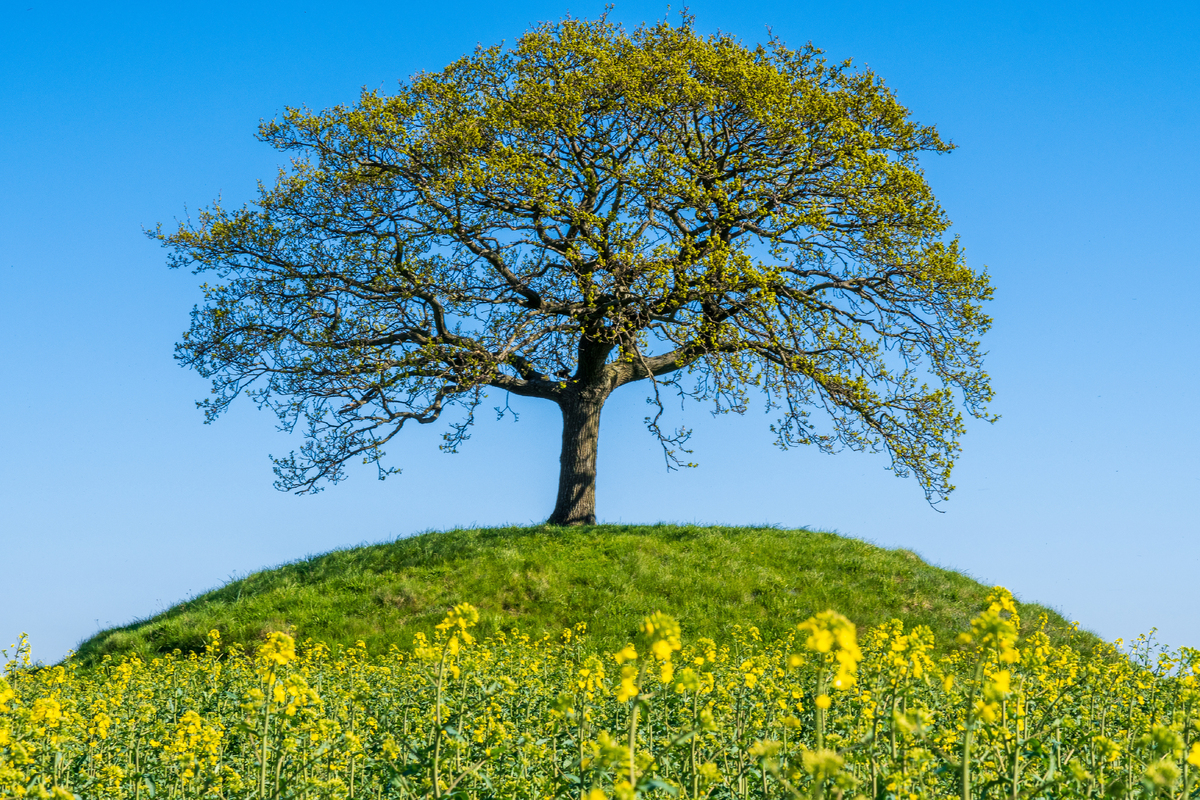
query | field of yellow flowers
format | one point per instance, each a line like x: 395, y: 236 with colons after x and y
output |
x: 822, y: 713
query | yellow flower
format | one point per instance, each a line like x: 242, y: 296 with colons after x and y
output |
x: 999, y: 687
x: 820, y: 640
x: 996, y: 627
x: 830, y: 633
x: 461, y: 617
x: 1106, y: 748
x: 391, y: 750
x: 988, y: 712
x: 213, y: 646
x: 100, y: 725
x: 709, y: 773
x: 279, y: 650
x: 47, y: 710
x: 627, y: 689
x: 1163, y: 773
x: 662, y: 650
x: 687, y: 680
x: 767, y: 748
x: 197, y: 736
x: 822, y: 764
x: 662, y: 631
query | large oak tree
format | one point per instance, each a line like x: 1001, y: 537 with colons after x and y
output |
x: 589, y: 209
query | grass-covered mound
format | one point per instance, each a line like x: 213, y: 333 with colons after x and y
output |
x: 542, y: 579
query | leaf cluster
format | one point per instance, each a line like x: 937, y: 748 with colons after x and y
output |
x: 590, y: 208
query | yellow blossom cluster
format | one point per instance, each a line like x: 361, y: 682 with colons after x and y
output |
x: 820, y: 713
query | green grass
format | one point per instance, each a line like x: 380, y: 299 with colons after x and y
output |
x: 542, y: 579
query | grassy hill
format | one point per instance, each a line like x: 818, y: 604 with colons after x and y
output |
x: 542, y: 579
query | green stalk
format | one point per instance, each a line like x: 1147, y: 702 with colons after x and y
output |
x: 1022, y: 708
x: 633, y: 720
x: 819, y: 789
x: 692, y: 743
x: 278, y: 772
x: 820, y: 711
x: 969, y: 732
x: 437, y: 734
x: 262, y: 767
x: 352, y: 753
x: 579, y: 742
x: 1187, y: 743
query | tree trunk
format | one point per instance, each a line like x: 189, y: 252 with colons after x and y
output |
x: 576, y: 504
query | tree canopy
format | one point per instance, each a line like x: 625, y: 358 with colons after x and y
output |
x: 591, y: 208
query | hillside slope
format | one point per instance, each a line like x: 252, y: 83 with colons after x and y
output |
x: 542, y: 579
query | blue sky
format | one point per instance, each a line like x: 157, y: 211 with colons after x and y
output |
x: 1074, y: 183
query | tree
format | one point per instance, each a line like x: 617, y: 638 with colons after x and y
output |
x: 590, y: 209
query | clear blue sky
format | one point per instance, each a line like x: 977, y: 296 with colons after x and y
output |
x: 1075, y: 182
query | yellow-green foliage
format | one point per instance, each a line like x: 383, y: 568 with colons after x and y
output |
x: 820, y: 712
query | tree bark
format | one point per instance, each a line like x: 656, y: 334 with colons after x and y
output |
x: 576, y: 503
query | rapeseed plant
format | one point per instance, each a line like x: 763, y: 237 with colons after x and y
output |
x: 817, y: 713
